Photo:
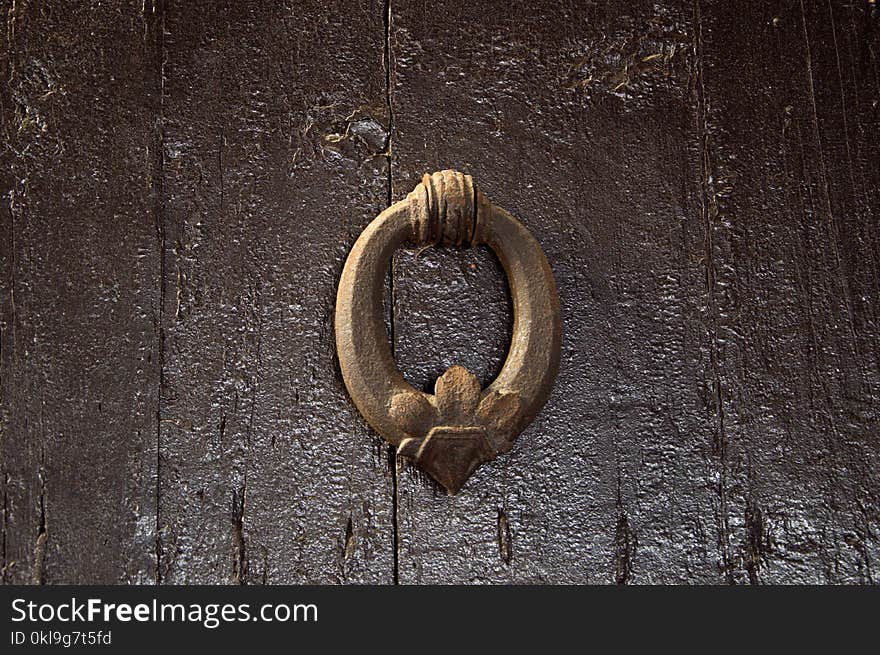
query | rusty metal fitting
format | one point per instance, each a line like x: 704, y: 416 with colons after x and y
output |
x: 445, y: 210
x: 451, y: 432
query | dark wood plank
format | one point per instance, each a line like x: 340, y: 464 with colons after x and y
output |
x: 704, y: 181
x: 582, y: 121
x: 275, y: 125
x: 791, y: 178
x: 80, y: 260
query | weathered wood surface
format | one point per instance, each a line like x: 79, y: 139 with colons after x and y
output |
x: 184, y: 182
x: 704, y: 179
x: 181, y: 183
x: 273, y: 121
x: 80, y: 365
x: 594, y: 157
x: 790, y: 179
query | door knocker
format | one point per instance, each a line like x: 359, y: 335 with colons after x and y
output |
x: 450, y: 433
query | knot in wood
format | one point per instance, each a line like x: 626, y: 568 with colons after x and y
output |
x: 444, y: 210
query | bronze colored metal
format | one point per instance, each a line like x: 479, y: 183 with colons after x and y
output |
x: 450, y: 433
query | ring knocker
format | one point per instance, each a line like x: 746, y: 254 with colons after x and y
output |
x: 450, y: 433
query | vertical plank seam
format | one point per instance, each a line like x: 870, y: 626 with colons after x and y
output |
x: 624, y: 535
x: 10, y: 63
x: 389, y: 198
x: 240, y: 559
x: 159, y: 217
x: 705, y: 192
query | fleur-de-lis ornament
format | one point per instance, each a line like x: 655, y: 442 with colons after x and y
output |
x: 450, y: 433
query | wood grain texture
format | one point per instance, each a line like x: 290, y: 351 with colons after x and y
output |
x: 182, y: 181
x: 792, y: 244
x: 80, y: 261
x: 578, y: 120
x: 275, y: 127
x: 715, y: 416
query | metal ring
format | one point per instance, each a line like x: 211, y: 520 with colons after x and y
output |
x: 451, y: 432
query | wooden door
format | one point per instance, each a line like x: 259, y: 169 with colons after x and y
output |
x: 182, y: 182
